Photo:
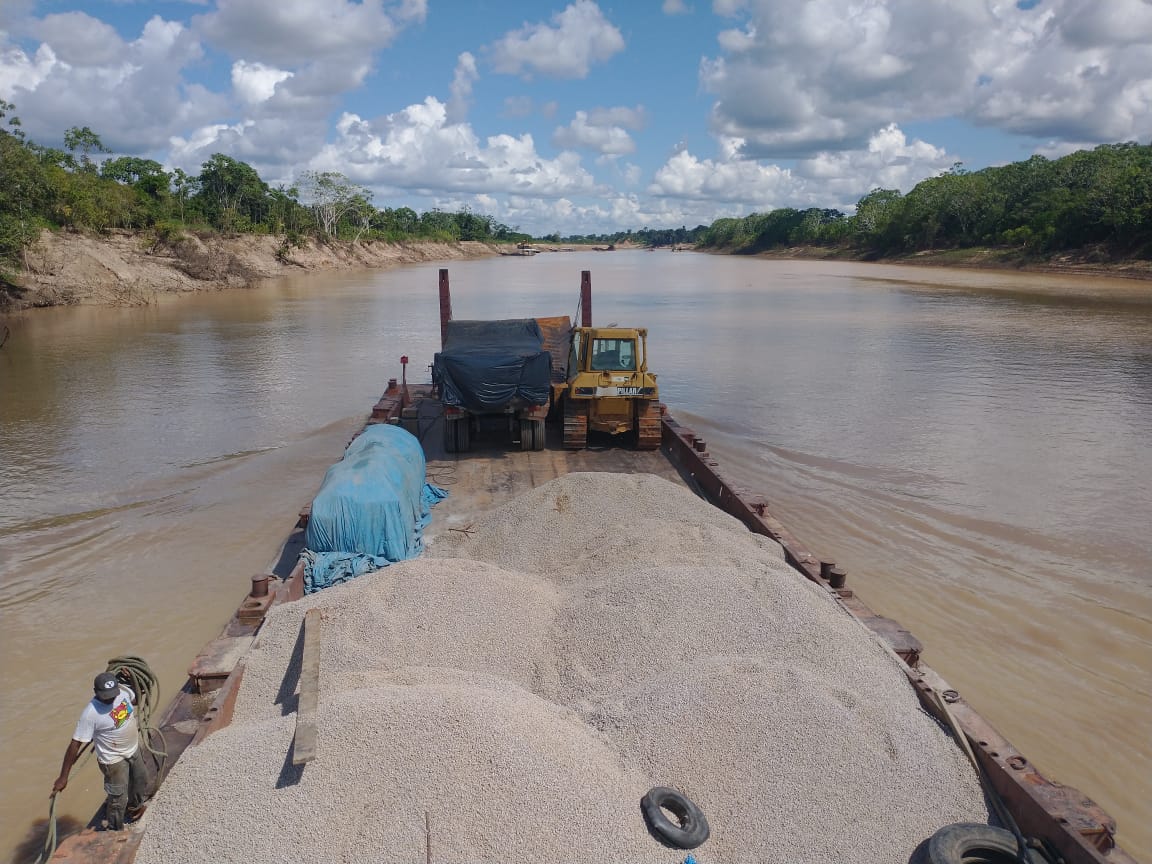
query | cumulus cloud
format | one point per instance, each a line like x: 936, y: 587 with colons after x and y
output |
x: 138, y: 82
x: 739, y: 180
x: 675, y: 7
x: 626, y: 118
x: 827, y: 179
x: 255, y: 82
x: 601, y: 137
x: 1078, y: 71
x: 79, y: 39
x: 579, y: 37
x: 293, y: 32
x: 889, y: 161
x: 823, y: 74
x: 462, y: 81
x: 418, y: 148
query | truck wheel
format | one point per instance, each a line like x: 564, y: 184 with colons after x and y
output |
x: 539, y: 434
x: 463, y: 435
x: 527, y: 428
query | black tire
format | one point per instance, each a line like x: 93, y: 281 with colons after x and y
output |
x: 539, y: 434
x: 526, y: 430
x: 972, y: 843
x: 463, y: 434
x: 693, y: 828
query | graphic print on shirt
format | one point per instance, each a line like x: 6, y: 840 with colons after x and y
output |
x: 121, y: 713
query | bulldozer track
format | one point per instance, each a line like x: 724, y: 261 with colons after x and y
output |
x: 648, y: 414
x: 575, y: 424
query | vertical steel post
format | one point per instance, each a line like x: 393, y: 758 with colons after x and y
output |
x: 585, y: 298
x: 445, y: 306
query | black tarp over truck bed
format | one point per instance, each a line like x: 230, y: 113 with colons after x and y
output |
x: 489, y: 366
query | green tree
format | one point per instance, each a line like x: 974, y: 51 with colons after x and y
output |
x: 331, y: 196
x: 231, y: 194
x: 86, y: 141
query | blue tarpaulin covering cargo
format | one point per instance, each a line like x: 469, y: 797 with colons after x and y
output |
x: 486, y: 366
x: 371, y: 509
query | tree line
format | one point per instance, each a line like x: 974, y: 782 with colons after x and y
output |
x: 74, y: 188
x: 1100, y: 200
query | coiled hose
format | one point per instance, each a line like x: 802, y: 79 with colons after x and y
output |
x: 135, y: 673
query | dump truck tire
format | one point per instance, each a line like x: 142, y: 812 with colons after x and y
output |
x: 527, y: 434
x: 539, y: 434
x: 693, y: 828
x: 972, y: 843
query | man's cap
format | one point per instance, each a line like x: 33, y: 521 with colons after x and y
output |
x: 106, y: 686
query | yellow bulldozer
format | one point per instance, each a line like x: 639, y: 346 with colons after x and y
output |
x: 609, y: 386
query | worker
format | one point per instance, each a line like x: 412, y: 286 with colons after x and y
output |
x: 109, y: 722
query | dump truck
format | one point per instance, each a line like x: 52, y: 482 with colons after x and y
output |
x: 609, y: 388
x: 503, y: 373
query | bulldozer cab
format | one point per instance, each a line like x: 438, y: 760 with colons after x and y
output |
x: 597, y: 349
x: 613, y: 355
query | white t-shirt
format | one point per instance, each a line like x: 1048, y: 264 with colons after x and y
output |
x: 111, y: 726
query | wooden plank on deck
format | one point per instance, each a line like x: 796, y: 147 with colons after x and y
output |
x: 304, y: 744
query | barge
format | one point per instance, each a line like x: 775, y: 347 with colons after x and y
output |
x: 1069, y: 826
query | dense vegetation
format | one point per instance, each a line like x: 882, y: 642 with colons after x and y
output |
x: 1098, y: 200
x: 47, y: 187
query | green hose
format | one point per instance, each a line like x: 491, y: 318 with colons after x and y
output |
x: 135, y: 673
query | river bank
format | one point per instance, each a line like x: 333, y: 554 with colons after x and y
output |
x: 128, y: 269
x: 1084, y: 262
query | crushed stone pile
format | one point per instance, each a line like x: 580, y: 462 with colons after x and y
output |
x: 513, y: 694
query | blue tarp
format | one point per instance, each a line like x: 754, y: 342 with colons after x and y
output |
x: 371, y: 509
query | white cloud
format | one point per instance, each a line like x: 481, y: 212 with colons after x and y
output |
x: 828, y: 179
x: 462, y: 80
x: 79, y: 39
x: 291, y: 33
x: 800, y: 78
x: 580, y: 36
x: 675, y: 7
x: 626, y: 118
x: 419, y: 149
x: 741, y: 180
x: 138, y: 83
x: 255, y: 82
x: 889, y: 161
x: 20, y: 73
x: 581, y: 134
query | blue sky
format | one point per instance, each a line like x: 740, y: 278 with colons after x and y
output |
x: 587, y: 116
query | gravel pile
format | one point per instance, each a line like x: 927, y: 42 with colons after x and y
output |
x: 523, y: 685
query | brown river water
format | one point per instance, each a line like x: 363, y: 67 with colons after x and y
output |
x: 973, y: 447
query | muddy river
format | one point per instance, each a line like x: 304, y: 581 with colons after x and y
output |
x: 974, y: 448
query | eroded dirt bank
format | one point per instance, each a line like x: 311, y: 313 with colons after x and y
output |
x: 129, y: 269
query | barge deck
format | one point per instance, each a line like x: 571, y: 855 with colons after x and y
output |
x: 1068, y: 822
